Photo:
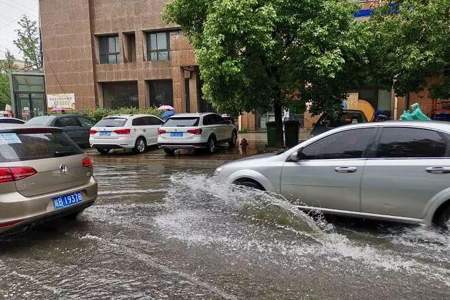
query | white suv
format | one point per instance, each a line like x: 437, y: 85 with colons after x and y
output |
x: 134, y: 132
x: 196, y: 131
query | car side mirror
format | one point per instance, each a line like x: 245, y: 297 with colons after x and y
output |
x: 297, y: 156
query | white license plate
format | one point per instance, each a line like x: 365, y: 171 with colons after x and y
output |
x: 105, y: 133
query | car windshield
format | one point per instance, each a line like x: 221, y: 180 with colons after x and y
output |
x: 40, y: 120
x: 112, y: 122
x: 30, y: 144
x: 182, y: 122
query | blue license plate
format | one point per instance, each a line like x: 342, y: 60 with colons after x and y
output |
x: 105, y: 133
x: 176, y: 134
x: 67, y: 200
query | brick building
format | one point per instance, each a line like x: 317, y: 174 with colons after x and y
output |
x: 115, y: 53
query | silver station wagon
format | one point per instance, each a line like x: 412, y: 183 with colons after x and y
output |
x: 43, y: 174
x: 397, y: 171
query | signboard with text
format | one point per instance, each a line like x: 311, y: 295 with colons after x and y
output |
x: 61, y: 101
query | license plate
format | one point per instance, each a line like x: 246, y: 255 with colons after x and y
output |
x: 176, y: 134
x: 105, y: 133
x: 67, y: 200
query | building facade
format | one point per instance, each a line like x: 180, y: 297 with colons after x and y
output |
x: 115, y: 53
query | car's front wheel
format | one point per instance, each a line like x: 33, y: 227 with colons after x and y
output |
x: 443, y: 219
x: 212, y: 144
x: 140, y: 145
x: 103, y: 150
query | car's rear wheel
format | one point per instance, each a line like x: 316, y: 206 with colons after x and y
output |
x: 443, y: 218
x: 103, y: 150
x: 233, y: 140
x: 140, y: 146
x: 212, y: 144
x: 170, y: 152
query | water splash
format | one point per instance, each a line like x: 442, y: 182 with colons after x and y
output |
x: 197, y: 204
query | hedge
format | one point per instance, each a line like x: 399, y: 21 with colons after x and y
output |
x: 99, y: 113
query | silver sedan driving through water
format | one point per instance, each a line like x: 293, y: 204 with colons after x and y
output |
x: 397, y: 171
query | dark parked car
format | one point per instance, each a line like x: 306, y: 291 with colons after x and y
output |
x: 346, y: 117
x: 75, y: 126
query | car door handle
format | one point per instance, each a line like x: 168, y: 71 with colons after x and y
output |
x: 438, y: 170
x: 346, y: 169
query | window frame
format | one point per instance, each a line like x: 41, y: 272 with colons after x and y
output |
x: 106, y: 55
x: 444, y: 135
x: 366, y: 153
x: 150, y: 51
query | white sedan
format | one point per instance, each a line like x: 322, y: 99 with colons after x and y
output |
x: 196, y: 131
x: 135, y: 132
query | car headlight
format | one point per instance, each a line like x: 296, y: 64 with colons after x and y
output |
x: 217, y: 171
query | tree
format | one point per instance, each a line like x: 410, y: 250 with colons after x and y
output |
x: 6, y: 66
x: 28, y: 42
x: 260, y: 54
x: 412, y: 45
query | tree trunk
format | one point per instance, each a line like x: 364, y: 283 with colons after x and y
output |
x: 279, y: 121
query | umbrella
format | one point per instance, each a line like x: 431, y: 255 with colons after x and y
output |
x: 166, y: 107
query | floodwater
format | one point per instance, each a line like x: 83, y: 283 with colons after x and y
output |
x: 166, y: 230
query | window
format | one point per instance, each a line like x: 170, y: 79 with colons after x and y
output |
x: 36, y: 144
x: 152, y: 121
x: 158, y: 45
x: 213, y: 120
x: 139, y: 122
x: 345, y: 118
x: 342, y: 145
x: 411, y: 142
x: 120, y: 94
x: 181, y: 122
x: 109, y: 49
x: 67, y: 122
x: 161, y: 92
x: 85, y: 122
x: 112, y: 122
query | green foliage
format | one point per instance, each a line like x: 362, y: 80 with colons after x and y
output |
x: 256, y: 54
x: 28, y: 42
x: 6, y: 65
x: 100, y: 113
x: 412, y: 46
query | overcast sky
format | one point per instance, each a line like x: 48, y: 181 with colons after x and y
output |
x: 10, y: 13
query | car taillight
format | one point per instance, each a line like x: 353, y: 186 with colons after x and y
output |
x: 93, y: 132
x: 122, y: 131
x: 87, y: 162
x: 15, y: 173
x: 195, y: 131
x: 161, y: 131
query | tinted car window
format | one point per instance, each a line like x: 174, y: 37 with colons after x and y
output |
x: 66, y: 122
x: 341, y: 145
x: 85, y: 122
x: 112, y: 122
x: 181, y: 122
x: 11, y: 121
x: 411, y: 142
x: 139, y: 122
x: 152, y: 121
x: 32, y: 144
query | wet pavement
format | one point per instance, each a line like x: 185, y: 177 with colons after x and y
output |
x: 163, y: 228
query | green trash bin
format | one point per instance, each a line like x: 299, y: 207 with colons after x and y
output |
x: 291, y: 129
x: 272, y: 134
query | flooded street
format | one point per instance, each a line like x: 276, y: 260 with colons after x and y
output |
x: 167, y: 229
